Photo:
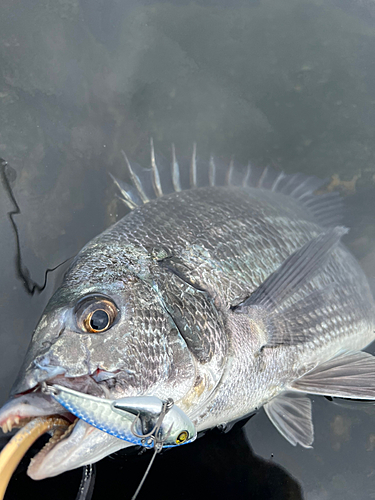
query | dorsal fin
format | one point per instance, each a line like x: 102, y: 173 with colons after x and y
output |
x: 166, y: 177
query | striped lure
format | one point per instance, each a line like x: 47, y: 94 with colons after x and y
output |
x: 145, y: 421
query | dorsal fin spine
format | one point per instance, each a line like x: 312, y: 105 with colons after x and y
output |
x: 155, y: 172
x: 262, y: 177
x: 230, y: 173
x: 193, y: 167
x: 323, y: 201
x: 277, y: 181
x: 126, y: 198
x: 137, y: 183
x: 297, y: 188
x: 175, y: 171
x: 212, y: 171
x: 247, y: 175
x: 304, y: 195
x: 290, y: 181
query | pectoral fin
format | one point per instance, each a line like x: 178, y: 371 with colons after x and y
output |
x: 289, y: 322
x: 349, y: 375
x: 297, y: 270
x: 290, y: 413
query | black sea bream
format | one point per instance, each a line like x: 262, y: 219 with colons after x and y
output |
x: 227, y: 290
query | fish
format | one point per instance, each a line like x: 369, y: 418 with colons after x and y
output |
x: 225, y: 288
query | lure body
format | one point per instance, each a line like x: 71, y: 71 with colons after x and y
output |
x: 131, y: 419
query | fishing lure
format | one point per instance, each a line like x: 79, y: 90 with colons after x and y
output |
x: 144, y: 420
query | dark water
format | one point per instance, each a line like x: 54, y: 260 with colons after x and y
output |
x: 290, y: 82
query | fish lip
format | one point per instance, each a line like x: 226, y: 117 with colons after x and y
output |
x: 48, y: 373
x: 65, y: 454
x: 24, y: 407
x: 34, y: 377
x: 33, y: 401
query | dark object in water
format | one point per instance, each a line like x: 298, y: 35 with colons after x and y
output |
x: 86, y: 487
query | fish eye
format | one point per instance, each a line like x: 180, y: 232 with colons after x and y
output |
x: 99, y: 320
x: 95, y: 314
x: 182, y: 437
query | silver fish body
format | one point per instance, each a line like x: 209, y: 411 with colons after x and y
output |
x: 175, y: 279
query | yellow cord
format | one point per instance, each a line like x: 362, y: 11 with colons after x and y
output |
x: 13, y: 452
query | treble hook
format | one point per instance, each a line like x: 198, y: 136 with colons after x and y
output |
x: 166, y: 406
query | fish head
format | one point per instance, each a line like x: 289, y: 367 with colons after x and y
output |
x: 107, y: 322
x: 105, y: 333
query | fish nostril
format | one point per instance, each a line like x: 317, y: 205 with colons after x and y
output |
x: 46, y: 344
x: 42, y: 361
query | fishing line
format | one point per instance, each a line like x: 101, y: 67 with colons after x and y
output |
x: 23, y: 273
x: 145, y: 474
x: 158, y: 442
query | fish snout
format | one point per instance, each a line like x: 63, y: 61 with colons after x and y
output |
x: 33, y: 377
x: 48, y: 330
x: 67, y: 355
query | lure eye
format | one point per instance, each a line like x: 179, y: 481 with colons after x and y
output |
x: 95, y: 314
x: 182, y: 437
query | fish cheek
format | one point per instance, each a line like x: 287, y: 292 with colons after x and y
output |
x: 183, y: 372
x: 147, y: 357
x: 108, y: 350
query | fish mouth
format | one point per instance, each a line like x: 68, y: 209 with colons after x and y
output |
x: 77, y: 445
